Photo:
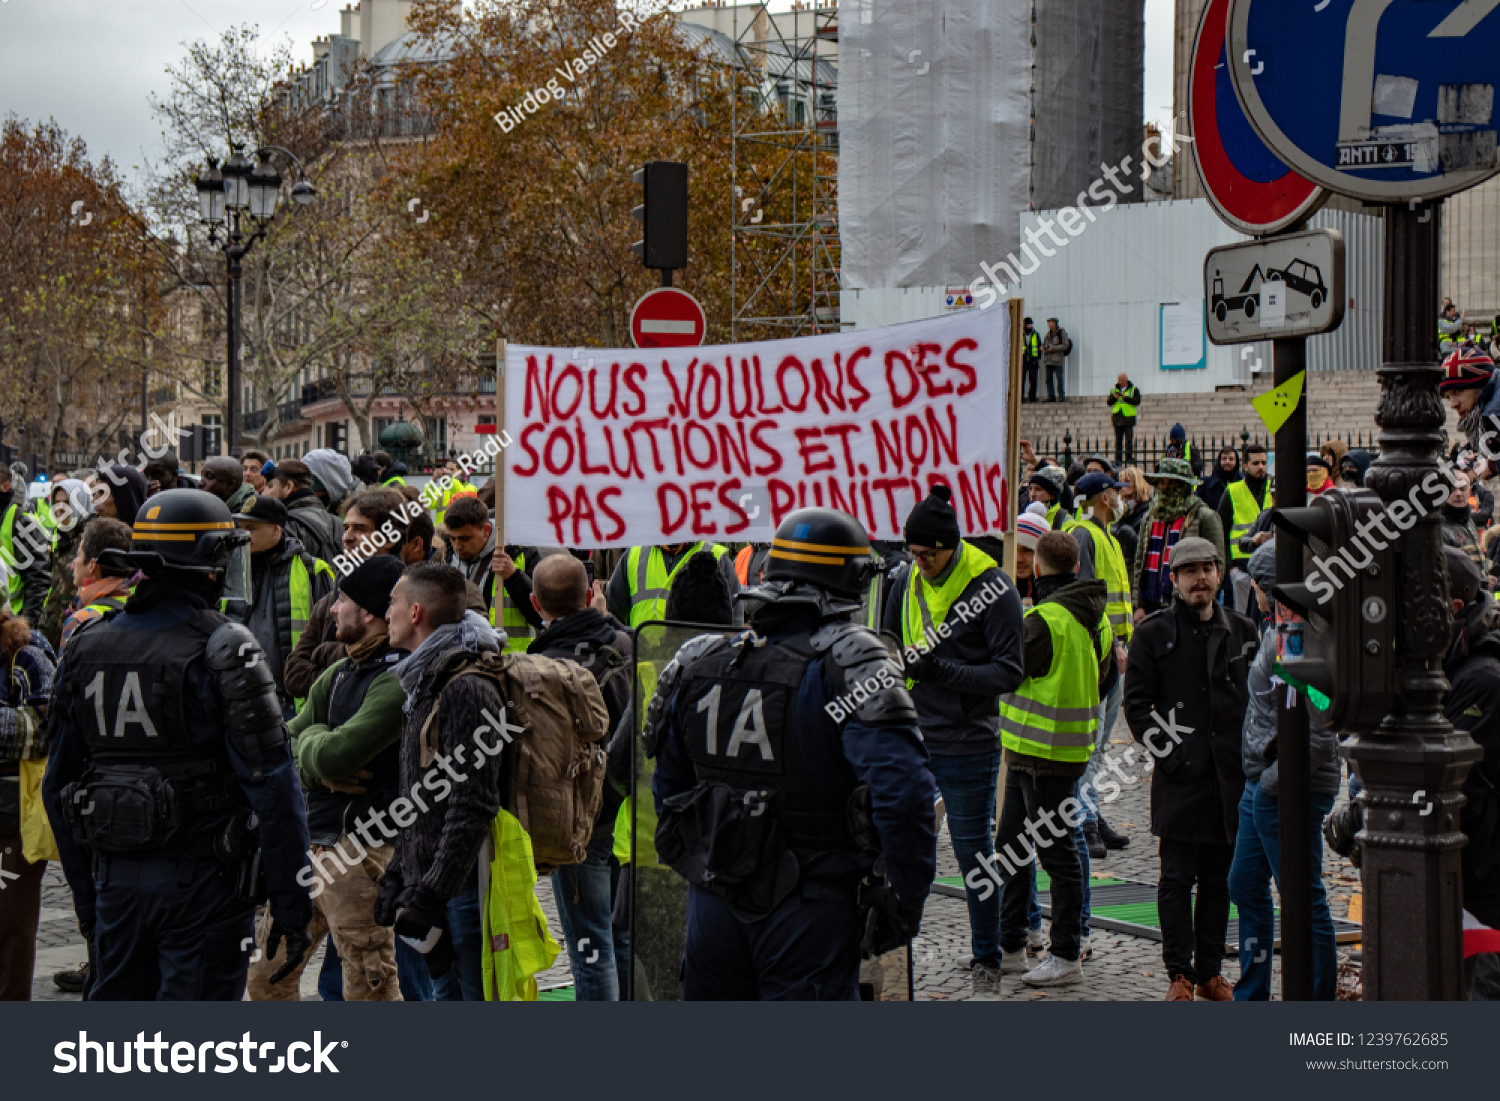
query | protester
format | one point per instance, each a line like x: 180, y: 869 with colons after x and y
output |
x: 102, y: 586
x: 1048, y: 486
x: 1242, y: 505
x: 1031, y: 359
x: 956, y: 687
x: 252, y: 464
x: 1332, y: 452
x: 161, y: 474
x: 346, y: 742
x: 1458, y: 524
x: 432, y: 883
x: 71, y: 507
x: 1056, y: 347
x: 1257, y: 851
x: 118, y: 493
x: 1226, y: 472
x: 458, y: 487
x: 285, y: 583
x: 1136, y: 494
x: 1472, y: 666
x: 24, y: 542
x: 1030, y: 526
x: 319, y: 531
x: 572, y: 631
x: 642, y: 579
x: 333, y: 480
x: 471, y: 538
x: 1188, y: 666
x: 1472, y: 390
x: 225, y: 479
x: 1100, y: 556
x: 1352, y: 468
x: 1174, y: 514
x: 1124, y: 406
x: 1048, y: 729
x: 29, y: 668
x: 1179, y: 447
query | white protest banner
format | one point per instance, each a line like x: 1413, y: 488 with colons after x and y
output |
x: 634, y: 447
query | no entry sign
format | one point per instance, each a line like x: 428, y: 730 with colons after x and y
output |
x: 667, y: 318
x: 1248, y: 185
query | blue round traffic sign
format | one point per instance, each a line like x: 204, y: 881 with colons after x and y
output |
x: 1381, y: 100
x: 1248, y: 185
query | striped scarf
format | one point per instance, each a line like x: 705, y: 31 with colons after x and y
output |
x: 1163, y: 538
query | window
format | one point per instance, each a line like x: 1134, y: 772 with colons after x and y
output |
x: 215, y: 425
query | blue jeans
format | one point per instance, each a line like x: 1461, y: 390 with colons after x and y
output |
x: 584, y: 902
x: 1257, y: 855
x: 464, y: 981
x: 1109, y: 711
x: 331, y: 977
x: 967, y: 785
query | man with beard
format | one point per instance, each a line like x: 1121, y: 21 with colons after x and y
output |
x: 1185, y: 700
x: 346, y: 742
x: 1470, y: 386
x: 1243, y: 502
x: 1175, y: 514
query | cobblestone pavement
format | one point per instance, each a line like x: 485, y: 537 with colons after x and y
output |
x: 1123, y: 968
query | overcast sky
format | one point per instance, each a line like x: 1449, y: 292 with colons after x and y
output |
x: 91, y: 64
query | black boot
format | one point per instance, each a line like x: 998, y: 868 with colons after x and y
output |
x: 1097, y: 851
x: 1111, y: 839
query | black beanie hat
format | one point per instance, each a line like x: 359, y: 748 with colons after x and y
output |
x: 934, y: 523
x: 370, y: 583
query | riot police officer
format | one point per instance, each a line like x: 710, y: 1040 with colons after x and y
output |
x: 170, y: 785
x: 792, y: 787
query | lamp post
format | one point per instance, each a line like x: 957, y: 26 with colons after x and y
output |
x: 237, y: 203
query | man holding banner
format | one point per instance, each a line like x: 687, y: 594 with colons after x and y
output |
x: 637, y: 590
x: 959, y: 608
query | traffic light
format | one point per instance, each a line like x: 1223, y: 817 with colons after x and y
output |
x: 664, y: 212
x: 1340, y: 649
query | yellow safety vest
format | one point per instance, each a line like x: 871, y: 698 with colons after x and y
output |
x: 924, y: 605
x: 1246, y: 511
x: 518, y: 633
x: 1056, y: 717
x: 8, y: 561
x: 1109, y: 567
x: 459, y: 488
x: 517, y: 942
x: 1031, y: 344
x: 300, y: 585
x: 396, y: 481
x: 646, y: 571
x: 645, y: 854
x: 1052, y: 514
x: 1121, y: 405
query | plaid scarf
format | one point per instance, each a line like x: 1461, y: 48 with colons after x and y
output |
x: 1163, y: 538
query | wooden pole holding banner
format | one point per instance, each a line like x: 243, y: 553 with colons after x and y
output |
x: 500, y: 344
x: 1013, y: 432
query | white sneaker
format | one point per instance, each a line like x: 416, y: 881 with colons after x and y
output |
x: 1013, y: 963
x: 1085, y: 949
x: 1053, y: 971
x: 1035, y: 942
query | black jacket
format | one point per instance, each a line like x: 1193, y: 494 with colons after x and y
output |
x: 958, y: 695
x: 1473, y: 704
x: 1215, y: 488
x: 1193, y: 675
x: 321, y: 532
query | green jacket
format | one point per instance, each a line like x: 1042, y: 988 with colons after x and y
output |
x: 322, y: 753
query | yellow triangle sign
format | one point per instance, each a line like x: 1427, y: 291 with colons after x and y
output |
x: 1275, y: 406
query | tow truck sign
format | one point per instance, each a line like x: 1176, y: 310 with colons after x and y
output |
x: 1286, y: 286
x: 1381, y: 100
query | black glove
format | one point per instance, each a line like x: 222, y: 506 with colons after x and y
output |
x: 388, y: 899
x: 908, y: 919
x: 297, y: 944
x: 418, y: 917
x: 924, y: 668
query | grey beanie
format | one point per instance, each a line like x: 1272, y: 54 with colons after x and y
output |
x: 1262, y: 566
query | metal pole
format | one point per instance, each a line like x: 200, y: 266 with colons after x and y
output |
x: 1294, y: 766
x: 232, y: 401
x: 666, y: 276
x: 1413, y: 766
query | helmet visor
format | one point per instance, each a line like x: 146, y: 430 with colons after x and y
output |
x: 237, y: 586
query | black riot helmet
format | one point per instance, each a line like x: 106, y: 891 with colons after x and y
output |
x: 818, y: 556
x: 189, y: 531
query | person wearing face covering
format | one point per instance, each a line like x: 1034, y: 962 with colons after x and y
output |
x: 1319, y: 474
x: 71, y: 506
x: 1175, y: 514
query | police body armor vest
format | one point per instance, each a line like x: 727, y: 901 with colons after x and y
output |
x: 332, y: 813
x: 149, y: 783
x: 740, y: 705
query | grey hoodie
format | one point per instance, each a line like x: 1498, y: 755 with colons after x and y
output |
x: 1260, y: 728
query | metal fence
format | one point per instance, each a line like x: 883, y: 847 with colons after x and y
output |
x: 1149, y: 450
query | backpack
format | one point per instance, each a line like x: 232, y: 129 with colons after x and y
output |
x: 557, y: 771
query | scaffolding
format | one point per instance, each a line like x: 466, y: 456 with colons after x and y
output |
x: 784, y: 254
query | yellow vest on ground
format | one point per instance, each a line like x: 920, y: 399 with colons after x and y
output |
x: 646, y: 572
x: 1109, y: 567
x: 516, y: 941
x: 1246, y: 512
x: 1056, y: 717
x: 924, y: 605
